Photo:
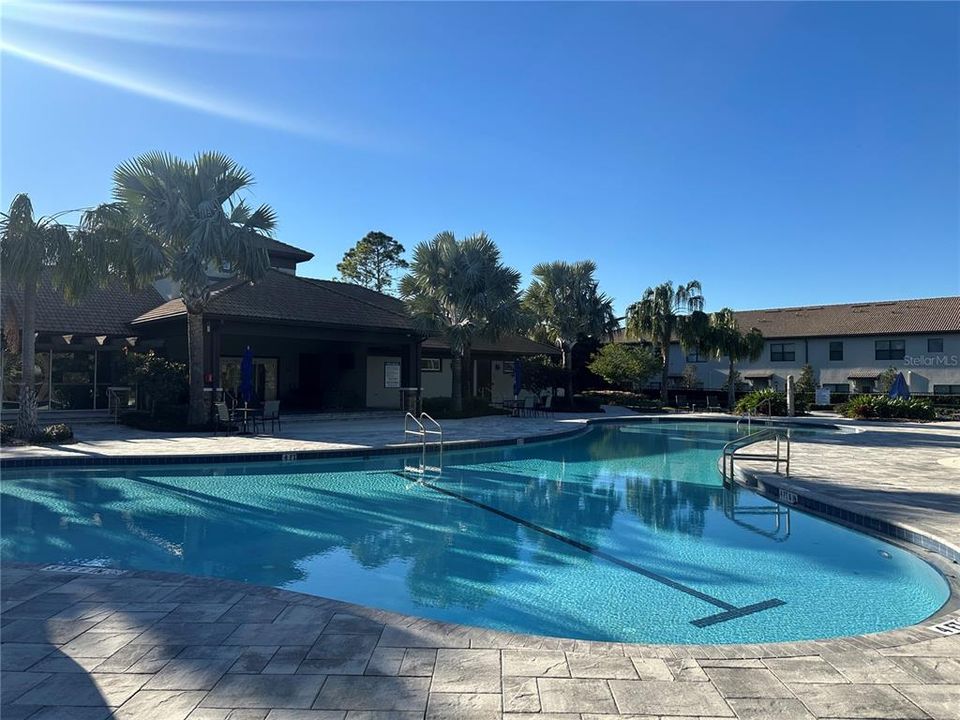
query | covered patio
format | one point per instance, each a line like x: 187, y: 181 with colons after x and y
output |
x: 317, y: 345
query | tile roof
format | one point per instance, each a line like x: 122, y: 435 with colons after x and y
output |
x: 104, y: 311
x: 507, y: 344
x: 275, y: 247
x: 283, y: 297
x: 928, y: 315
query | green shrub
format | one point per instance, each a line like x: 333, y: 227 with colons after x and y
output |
x: 442, y: 408
x: 762, y: 402
x: 162, y: 382
x: 55, y: 434
x: 634, y: 400
x: 624, y: 365
x: 6, y: 433
x: 164, y: 418
x: 540, y: 372
x: 865, y: 407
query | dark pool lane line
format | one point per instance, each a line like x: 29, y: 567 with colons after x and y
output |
x: 730, y: 612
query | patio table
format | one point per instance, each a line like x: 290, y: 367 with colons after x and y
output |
x: 244, y: 415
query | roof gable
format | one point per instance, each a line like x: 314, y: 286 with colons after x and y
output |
x: 286, y: 298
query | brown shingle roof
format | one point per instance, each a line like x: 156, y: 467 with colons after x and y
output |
x: 103, y: 311
x: 896, y: 317
x: 506, y: 344
x: 287, y: 298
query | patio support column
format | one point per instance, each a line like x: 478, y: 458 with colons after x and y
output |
x: 410, y: 366
x: 211, y: 355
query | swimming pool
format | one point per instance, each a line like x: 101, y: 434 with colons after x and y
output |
x: 624, y: 532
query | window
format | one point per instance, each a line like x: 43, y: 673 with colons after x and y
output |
x: 782, y: 352
x: 934, y: 345
x: 864, y: 385
x: 836, y: 350
x: 391, y: 374
x: 508, y: 367
x: 430, y: 365
x: 946, y: 389
x: 696, y: 356
x: 837, y: 387
x: 890, y: 349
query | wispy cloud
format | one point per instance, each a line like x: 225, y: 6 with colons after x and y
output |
x: 51, y: 35
x: 163, y: 90
x: 170, y: 28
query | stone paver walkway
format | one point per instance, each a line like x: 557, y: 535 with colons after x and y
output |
x: 908, y: 474
x: 103, y: 440
x: 149, y: 645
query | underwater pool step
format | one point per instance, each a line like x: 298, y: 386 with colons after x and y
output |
x: 730, y: 612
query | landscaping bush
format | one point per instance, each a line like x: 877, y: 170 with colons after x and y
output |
x: 6, y: 433
x: 633, y: 400
x: 441, y: 408
x: 163, y: 383
x: 55, y: 434
x: 164, y: 418
x: 624, y: 365
x: 881, y: 407
x: 762, y: 402
x: 540, y: 372
x: 579, y: 404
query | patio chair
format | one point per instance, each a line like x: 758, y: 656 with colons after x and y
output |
x: 271, y: 412
x: 545, y: 407
x: 223, y: 418
x: 529, y: 406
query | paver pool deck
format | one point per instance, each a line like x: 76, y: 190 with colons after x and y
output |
x: 154, y: 645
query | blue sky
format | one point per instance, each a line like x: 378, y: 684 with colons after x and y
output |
x: 782, y: 154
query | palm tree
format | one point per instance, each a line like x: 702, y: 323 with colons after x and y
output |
x: 28, y: 246
x: 179, y: 218
x: 663, y: 313
x: 461, y: 289
x: 565, y: 304
x: 724, y: 339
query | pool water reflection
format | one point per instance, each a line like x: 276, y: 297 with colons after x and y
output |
x: 617, y: 534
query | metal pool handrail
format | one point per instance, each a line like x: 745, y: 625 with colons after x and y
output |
x: 731, y: 448
x: 422, y: 432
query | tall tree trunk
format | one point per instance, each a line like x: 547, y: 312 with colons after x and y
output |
x: 664, y: 372
x: 198, y: 414
x: 27, y: 423
x: 731, y: 387
x: 567, y: 349
x: 456, y: 391
x: 467, y: 373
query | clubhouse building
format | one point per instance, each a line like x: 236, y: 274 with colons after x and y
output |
x: 317, y: 344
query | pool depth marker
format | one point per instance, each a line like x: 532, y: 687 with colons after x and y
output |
x: 730, y: 612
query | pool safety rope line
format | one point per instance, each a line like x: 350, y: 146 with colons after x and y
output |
x: 730, y: 612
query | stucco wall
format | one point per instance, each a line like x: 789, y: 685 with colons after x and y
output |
x: 437, y: 384
x: 377, y: 395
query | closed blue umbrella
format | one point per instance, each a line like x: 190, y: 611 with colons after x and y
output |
x: 517, y: 377
x: 246, y: 375
x: 899, y: 389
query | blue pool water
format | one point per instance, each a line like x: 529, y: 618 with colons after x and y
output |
x: 623, y: 533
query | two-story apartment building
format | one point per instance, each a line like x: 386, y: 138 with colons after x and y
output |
x: 848, y: 346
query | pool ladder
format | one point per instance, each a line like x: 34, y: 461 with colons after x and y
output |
x: 782, y: 436
x: 423, y: 427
